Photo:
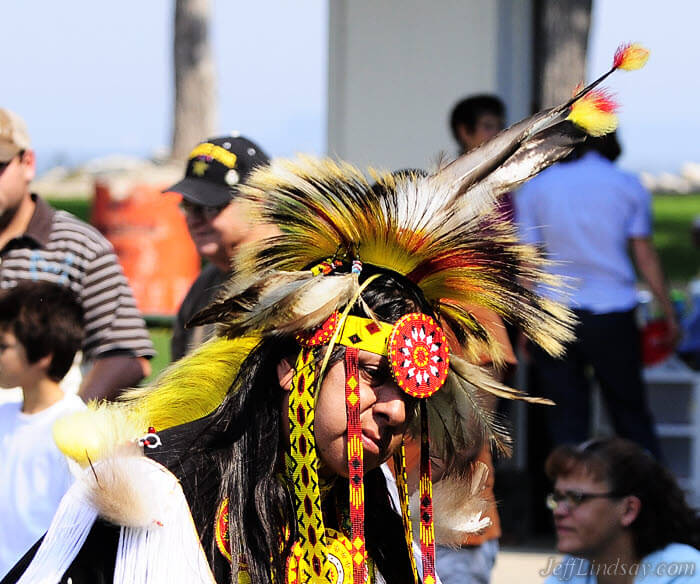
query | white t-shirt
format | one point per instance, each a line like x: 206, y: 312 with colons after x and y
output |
x: 34, y: 475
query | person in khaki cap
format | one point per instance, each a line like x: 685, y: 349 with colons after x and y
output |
x: 40, y: 243
x: 13, y: 135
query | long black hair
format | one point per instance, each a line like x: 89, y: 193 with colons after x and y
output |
x: 250, y: 456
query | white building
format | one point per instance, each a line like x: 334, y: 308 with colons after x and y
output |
x: 396, y: 68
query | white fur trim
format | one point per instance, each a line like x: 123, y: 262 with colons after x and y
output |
x: 66, y: 535
x: 158, y: 542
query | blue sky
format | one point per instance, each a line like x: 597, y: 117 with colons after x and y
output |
x: 93, y: 78
x: 659, y: 117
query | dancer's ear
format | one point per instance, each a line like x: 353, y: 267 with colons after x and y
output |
x: 285, y: 374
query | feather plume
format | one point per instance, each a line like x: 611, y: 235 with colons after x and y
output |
x: 407, y: 226
x: 458, y: 506
x: 187, y: 390
x: 459, y: 421
x: 118, y: 489
x: 534, y: 155
x: 480, y: 378
x: 630, y: 56
x: 92, y: 434
x: 297, y: 304
x: 594, y: 113
x: 460, y: 424
x: 241, y: 294
x: 192, y: 387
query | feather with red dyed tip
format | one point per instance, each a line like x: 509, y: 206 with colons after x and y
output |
x: 630, y: 56
x: 594, y: 113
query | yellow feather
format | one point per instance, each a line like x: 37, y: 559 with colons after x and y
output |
x: 631, y: 57
x: 188, y: 390
x: 589, y: 117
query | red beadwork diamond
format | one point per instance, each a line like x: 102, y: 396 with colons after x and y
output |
x: 373, y: 328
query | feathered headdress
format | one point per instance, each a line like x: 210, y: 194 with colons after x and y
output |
x: 438, y: 233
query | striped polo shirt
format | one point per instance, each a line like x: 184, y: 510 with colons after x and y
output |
x: 60, y: 248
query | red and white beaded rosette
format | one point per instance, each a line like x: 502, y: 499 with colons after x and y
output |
x: 419, y: 355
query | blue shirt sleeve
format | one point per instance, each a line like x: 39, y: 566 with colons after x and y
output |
x: 640, y: 221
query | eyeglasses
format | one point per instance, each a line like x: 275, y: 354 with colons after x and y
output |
x: 573, y: 499
x: 201, y: 212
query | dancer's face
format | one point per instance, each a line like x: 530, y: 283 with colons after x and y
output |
x: 383, y: 414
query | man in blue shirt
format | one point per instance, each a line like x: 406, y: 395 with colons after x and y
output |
x: 588, y: 216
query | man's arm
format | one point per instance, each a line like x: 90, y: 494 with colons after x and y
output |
x: 110, y: 375
x: 649, y: 266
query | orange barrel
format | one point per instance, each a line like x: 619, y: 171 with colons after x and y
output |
x: 150, y: 237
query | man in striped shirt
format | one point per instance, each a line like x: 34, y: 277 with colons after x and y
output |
x: 38, y: 242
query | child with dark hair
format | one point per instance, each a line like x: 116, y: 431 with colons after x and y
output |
x: 41, y: 328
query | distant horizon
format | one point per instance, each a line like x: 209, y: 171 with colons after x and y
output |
x: 75, y: 159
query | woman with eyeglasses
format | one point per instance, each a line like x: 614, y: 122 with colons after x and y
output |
x: 620, y: 517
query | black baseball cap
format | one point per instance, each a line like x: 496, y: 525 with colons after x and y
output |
x: 216, y: 167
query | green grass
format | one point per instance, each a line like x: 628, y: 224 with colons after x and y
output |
x: 161, y: 341
x: 80, y: 207
x: 673, y: 217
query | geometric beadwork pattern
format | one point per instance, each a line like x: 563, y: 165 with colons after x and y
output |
x: 365, y: 334
x: 221, y: 531
x: 340, y: 552
x: 419, y: 355
x: 355, y: 465
x: 320, y: 335
x: 427, y: 529
x: 302, y: 466
x: 402, y: 487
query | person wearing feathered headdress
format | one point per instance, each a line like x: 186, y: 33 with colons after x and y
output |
x: 335, y: 339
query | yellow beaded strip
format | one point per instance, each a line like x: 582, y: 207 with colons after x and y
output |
x: 310, y: 555
x: 402, y: 486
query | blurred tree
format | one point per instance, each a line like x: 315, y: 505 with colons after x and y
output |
x: 195, y: 77
x: 561, y: 40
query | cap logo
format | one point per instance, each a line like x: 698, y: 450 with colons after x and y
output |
x: 199, y: 167
x: 228, y: 159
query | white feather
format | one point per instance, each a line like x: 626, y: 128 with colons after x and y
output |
x: 458, y: 507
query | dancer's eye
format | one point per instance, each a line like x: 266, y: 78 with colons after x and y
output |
x: 375, y: 375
